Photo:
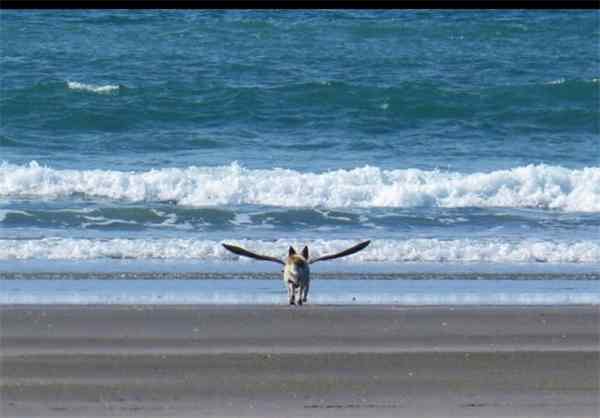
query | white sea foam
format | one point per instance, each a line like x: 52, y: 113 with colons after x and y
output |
x: 74, y: 85
x: 562, y: 81
x: 102, y: 221
x: 541, y: 186
x: 380, y: 251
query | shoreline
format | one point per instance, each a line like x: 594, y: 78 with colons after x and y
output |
x: 270, y: 292
x: 324, y: 361
x: 153, y: 268
x: 284, y: 305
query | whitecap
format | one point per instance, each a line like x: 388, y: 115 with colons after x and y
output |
x: 108, y: 88
x: 380, y: 251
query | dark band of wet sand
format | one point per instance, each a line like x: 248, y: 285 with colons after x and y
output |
x: 273, y: 361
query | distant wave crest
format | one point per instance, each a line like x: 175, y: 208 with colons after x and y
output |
x: 539, y: 186
x: 108, y: 88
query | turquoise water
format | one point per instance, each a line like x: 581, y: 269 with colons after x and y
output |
x: 460, y: 141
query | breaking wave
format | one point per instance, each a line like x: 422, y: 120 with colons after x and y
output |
x: 380, y: 251
x: 539, y: 186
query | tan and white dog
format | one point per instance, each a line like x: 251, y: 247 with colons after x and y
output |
x: 296, y: 273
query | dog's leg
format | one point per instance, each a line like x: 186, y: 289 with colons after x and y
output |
x: 291, y: 292
x: 300, y: 292
x: 305, y: 293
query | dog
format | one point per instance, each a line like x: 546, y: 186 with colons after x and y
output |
x: 296, y: 271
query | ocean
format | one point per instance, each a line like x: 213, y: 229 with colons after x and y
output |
x: 464, y: 144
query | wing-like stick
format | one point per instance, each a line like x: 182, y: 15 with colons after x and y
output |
x: 344, y: 253
x: 246, y: 253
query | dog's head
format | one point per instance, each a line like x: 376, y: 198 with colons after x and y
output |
x: 304, y: 253
x: 297, y: 262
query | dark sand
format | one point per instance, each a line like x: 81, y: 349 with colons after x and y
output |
x: 280, y: 361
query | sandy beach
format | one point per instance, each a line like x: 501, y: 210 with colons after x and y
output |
x: 267, y: 361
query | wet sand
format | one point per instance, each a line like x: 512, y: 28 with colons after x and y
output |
x: 272, y: 361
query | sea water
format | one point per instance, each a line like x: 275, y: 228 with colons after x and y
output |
x: 464, y: 144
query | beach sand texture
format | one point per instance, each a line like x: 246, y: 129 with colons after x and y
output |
x: 273, y: 361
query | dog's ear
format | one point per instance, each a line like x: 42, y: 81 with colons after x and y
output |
x: 305, y: 253
x: 291, y: 251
